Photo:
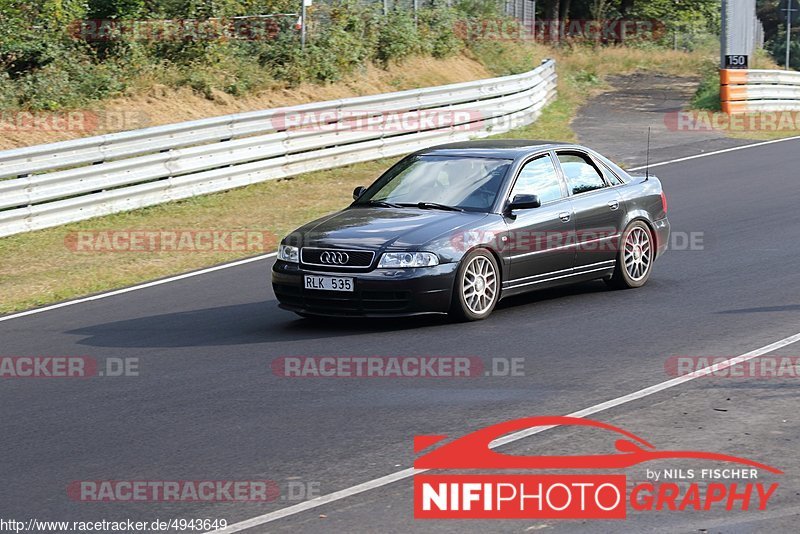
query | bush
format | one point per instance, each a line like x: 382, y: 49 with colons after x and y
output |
x: 777, y: 49
x: 506, y: 57
x: 284, y: 59
x: 398, y: 37
x: 437, y: 27
x: 707, y: 95
x: 483, y: 9
x: 8, y: 97
x: 43, y: 66
x: 53, y: 69
x: 68, y: 80
x: 351, y: 34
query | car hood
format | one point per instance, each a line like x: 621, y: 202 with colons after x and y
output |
x: 378, y: 228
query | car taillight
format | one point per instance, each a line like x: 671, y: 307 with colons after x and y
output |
x: 664, y: 202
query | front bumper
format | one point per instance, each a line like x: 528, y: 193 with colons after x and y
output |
x: 378, y: 293
x: 662, y: 229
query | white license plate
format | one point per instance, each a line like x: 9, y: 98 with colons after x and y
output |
x: 329, y: 283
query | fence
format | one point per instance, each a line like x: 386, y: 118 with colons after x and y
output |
x: 48, y: 185
x: 743, y: 91
x: 742, y: 32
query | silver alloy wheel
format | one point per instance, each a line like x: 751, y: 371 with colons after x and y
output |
x: 638, y: 253
x: 480, y: 285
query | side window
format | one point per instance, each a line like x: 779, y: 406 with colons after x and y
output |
x: 581, y: 174
x: 611, y: 178
x: 539, y: 177
x: 613, y: 167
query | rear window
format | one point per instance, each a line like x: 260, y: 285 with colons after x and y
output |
x: 580, y: 172
x: 613, y: 168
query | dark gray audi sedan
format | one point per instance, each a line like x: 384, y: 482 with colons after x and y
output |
x: 455, y: 228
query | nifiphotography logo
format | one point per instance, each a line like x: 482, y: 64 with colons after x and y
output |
x: 574, y: 496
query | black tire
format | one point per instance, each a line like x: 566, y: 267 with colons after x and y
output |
x: 460, y: 308
x: 625, y: 277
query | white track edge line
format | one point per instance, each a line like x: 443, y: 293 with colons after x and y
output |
x: 406, y: 473
x: 715, y: 152
x: 137, y: 287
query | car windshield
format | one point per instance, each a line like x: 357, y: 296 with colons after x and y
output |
x: 465, y: 183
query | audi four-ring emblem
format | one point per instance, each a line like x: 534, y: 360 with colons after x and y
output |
x: 334, y: 258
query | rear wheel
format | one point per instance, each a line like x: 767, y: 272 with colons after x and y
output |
x: 634, y: 258
x: 477, y: 287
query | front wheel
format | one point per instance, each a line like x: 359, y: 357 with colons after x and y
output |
x: 634, y: 258
x: 477, y: 287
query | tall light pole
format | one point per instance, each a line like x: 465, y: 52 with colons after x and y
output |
x: 303, y: 24
x: 789, y: 11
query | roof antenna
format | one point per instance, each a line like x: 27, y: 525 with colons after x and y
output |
x: 647, y: 161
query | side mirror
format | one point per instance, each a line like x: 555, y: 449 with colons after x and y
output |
x: 358, y: 191
x: 524, y: 202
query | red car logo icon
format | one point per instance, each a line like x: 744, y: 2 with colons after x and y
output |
x: 474, y: 451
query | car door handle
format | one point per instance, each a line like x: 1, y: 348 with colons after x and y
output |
x: 614, y: 204
x: 564, y: 216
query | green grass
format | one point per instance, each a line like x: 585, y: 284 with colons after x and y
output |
x: 707, y: 95
x: 552, y: 125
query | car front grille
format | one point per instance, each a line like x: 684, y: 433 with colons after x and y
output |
x: 338, y: 258
x: 340, y: 303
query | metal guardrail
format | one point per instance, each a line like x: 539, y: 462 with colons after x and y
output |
x: 48, y: 185
x: 745, y: 91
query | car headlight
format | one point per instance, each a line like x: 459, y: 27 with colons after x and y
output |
x: 289, y: 253
x: 399, y: 260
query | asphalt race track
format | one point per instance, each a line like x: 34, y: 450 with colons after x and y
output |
x: 206, y: 404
